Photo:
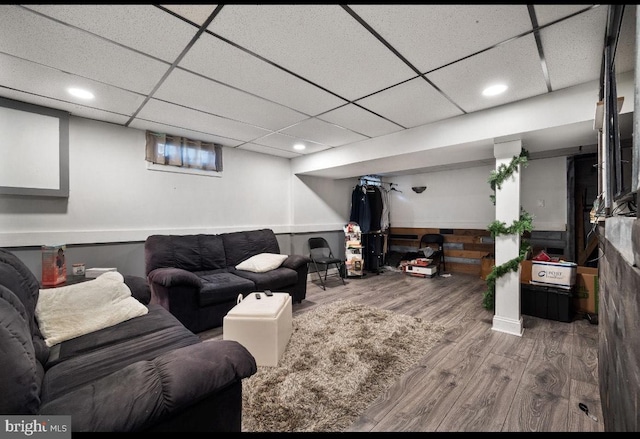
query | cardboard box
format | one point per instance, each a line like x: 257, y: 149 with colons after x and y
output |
x: 586, y: 290
x: 422, y: 262
x: 553, y: 274
x: 487, y: 263
x: 525, y: 271
x: 54, y: 265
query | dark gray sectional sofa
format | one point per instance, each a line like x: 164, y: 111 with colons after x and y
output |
x: 149, y: 373
x: 194, y: 276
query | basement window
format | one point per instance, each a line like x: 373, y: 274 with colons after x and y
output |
x: 166, y: 152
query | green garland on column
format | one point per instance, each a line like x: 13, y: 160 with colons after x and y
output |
x: 523, y: 224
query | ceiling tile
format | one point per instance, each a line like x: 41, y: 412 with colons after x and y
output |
x: 141, y: 27
x: 548, y: 13
x: 322, y: 132
x: 626, y: 50
x: 28, y: 77
x: 196, y: 92
x: 360, y: 120
x: 269, y: 150
x: 430, y: 36
x: 71, y: 108
x: 569, y: 60
x: 515, y: 64
x: 411, y: 104
x: 322, y: 43
x: 175, y: 115
x: 195, y: 13
x: 176, y: 131
x: 285, y: 143
x: 223, y: 62
x: 70, y: 50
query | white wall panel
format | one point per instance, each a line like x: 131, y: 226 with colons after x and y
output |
x: 460, y: 198
x: 321, y: 204
x: 114, y: 198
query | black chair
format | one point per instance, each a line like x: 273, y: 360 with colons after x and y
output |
x: 321, y: 254
x: 436, y: 242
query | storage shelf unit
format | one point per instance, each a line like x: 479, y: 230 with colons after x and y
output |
x: 354, y: 249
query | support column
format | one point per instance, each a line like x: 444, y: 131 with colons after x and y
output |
x: 507, y: 317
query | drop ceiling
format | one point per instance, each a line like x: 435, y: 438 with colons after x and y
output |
x: 264, y: 77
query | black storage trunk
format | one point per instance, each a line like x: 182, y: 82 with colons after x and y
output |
x: 373, y: 251
x: 546, y: 302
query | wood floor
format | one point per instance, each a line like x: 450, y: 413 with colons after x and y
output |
x: 475, y: 379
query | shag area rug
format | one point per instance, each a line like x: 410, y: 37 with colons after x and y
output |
x: 340, y: 357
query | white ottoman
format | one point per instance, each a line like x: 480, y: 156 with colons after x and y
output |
x: 262, y: 325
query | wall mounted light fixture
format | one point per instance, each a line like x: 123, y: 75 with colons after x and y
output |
x: 418, y: 189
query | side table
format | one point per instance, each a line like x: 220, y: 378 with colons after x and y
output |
x: 70, y: 281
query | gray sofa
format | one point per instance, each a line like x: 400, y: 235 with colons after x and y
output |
x: 148, y: 373
x: 195, y: 276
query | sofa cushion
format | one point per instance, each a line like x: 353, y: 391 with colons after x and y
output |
x: 139, y: 287
x: 223, y: 287
x: 179, y: 383
x: 83, y: 365
x: 188, y: 252
x: 239, y: 246
x: 20, y: 371
x: 262, y: 262
x: 17, y: 277
x: 271, y: 280
x: 67, y: 312
x: 156, y: 319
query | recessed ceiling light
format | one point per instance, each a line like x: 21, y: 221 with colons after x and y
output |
x: 299, y: 146
x: 494, y: 90
x: 80, y: 93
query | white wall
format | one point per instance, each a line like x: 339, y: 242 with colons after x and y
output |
x: 321, y: 204
x: 453, y: 199
x: 114, y: 198
x: 544, y: 193
x: 460, y: 198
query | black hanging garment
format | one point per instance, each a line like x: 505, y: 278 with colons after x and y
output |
x: 374, y: 196
x: 355, y: 205
x: 360, y: 210
x: 373, y: 251
x: 373, y: 239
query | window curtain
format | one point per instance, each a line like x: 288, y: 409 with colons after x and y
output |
x: 179, y: 151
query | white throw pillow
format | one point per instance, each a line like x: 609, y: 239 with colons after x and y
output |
x: 67, y: 312
x: 262, y: 262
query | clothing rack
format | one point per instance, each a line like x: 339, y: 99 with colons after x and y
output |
x: 375, y: 238
x: 372, y: 180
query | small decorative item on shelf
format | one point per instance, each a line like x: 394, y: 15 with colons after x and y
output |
x: 78, y: 269
x: 54, y: 266
x: 353, y: 250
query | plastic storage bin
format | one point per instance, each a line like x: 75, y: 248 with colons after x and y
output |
x: 546, y: 302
